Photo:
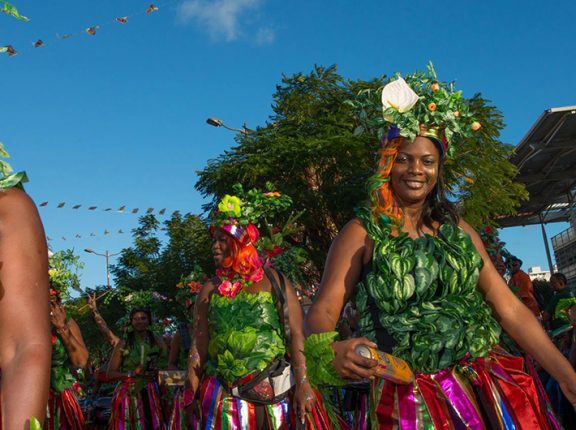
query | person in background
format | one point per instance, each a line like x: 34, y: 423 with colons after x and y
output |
x: 136, y: 403
x: 69, y: 353
x: 25, y: 348
x: 521, y: 285
x: 558, y: 283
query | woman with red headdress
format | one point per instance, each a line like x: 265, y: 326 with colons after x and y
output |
x: 248, y: 331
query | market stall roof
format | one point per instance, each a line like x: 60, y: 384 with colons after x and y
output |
x: 546, y: 161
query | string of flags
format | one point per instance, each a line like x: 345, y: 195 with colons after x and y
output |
x: 11, y: 51
x: 121, y: 210
x: 107, y: 232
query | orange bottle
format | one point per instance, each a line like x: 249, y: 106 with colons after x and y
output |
x: 389, y: 367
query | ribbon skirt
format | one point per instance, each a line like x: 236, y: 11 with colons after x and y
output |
x: 493, y: 392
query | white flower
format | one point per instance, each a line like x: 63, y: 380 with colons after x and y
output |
x: 398, y: 95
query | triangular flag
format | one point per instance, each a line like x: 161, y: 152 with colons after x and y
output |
x: 135, y: 210
x: 106, y: 232
x: 121, y: 209
x: 63, y: 238
x: 76, y: 206
x: 61, y: 205
x: 9, y: 49
x: 78, y: 236
x: 91, y: 208
x: 43, y: 204
x: 162, y: 211
x: 149, y: 210
x: 92, y: 235
x: 152, y: 8
x: 92, y: 30
x: 107, y: 209
x: 38, y: 43
x: 122, y: 19
x: 48, y: 238
x: 120, y: 231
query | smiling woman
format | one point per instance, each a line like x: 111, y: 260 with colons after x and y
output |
x: 426, y: 290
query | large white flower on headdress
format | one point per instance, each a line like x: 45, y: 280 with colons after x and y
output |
x: 398, y: 95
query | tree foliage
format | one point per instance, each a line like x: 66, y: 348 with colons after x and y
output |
x: 308, y: 149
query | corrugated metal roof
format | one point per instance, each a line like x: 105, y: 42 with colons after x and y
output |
x: 546, y: 160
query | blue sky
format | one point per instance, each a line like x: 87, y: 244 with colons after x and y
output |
x: 119, y: 118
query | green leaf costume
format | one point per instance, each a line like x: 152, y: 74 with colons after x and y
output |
x: 245, y: 335
x: 426, y: 296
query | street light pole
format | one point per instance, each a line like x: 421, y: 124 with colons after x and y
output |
x: 216, y: 122
x: 107, y: 255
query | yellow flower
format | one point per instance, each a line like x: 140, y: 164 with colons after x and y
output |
x: 435, y: 86
x: 52, y: 272
x: 230, y: 204
x: 179, y: 285
x: 272, y: 194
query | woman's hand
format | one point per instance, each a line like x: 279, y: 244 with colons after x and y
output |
x: 351, y: 365
x: 569, y: 390
x: 92, y: 302
x: 304, y: 400
x: 57, y: 315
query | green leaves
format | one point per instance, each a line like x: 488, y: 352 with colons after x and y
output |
x: 426, y: 293
x: 10, y: 9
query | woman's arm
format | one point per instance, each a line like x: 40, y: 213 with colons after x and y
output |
x: 113, y: 371
x: 520, y: 323
x: 100, y: 322
x: 304, y: 397
x: 25, y: 346
x: 174, y: 351
x: 200, y: 338
x: 71, y: 336
x: 349, y: 252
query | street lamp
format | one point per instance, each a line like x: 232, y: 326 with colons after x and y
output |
x: 215, y: 122
x: 107, y: 255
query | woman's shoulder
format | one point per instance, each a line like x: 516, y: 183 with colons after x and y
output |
x: 16, y: 201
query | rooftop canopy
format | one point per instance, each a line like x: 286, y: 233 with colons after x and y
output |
x: 546, y: 161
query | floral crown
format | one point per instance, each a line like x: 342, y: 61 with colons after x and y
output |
x: 421, y: 105
x: 244, y: 214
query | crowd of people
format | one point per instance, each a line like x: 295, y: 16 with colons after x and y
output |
x: 407, y: 283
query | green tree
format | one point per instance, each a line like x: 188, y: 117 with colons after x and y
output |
x: 152, y: 268
x: 315, y: 148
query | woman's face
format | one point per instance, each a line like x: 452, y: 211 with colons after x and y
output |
x: 140, y: 321
x: 415, y: 171
x: 220, y: 247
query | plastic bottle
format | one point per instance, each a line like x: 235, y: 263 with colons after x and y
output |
x: 389, y: 367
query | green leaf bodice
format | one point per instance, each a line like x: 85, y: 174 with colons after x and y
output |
x: 61, y: 376
x: 245, y: 335
x: 425, y: 291
x: 139, y: 353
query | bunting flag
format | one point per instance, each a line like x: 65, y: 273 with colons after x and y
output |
x: 91, y: 31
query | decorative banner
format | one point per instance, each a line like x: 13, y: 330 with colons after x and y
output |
x: 91, y: 31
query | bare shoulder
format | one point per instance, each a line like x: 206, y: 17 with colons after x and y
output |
x: 15, y: 201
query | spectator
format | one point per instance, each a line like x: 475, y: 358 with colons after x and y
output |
x: 521, y: 285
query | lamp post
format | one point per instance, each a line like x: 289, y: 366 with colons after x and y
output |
x: 216, y: 122
x: 107, y: 255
